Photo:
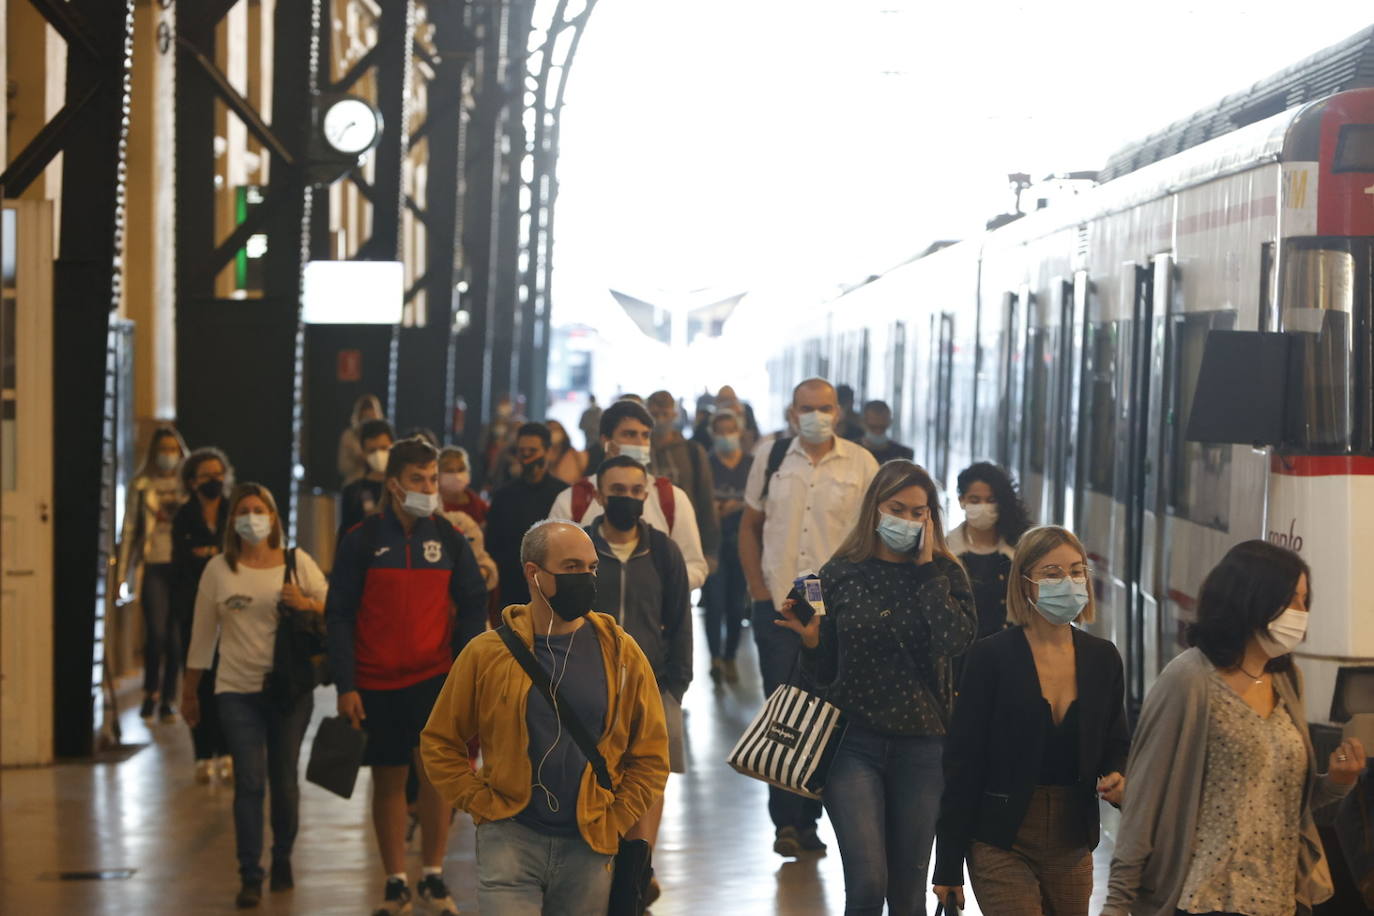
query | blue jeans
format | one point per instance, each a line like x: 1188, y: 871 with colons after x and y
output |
x: 883, y: 796
x: 522, y: 872
x: 778, y: 650
x: 266, y: 746
x: 725, y: 595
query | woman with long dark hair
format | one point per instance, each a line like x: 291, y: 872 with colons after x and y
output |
x: 1223, y: 777
x: 985, y: 541
x: 145, y: 555
x: 898, y: 608
x: 198, y: 536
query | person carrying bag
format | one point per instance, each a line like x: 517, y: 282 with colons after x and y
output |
x: 299, y: 660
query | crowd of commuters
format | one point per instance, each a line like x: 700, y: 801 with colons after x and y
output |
x: 520, y: 651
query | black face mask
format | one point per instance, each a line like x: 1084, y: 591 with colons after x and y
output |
x: 623, y: 512
x: 575, y: 596
x: 211, y: 489
x: 531, y: 468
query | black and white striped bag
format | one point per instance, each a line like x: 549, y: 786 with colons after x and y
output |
x: 791, y: 741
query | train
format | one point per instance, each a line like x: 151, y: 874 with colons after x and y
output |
x: 1068, y: 346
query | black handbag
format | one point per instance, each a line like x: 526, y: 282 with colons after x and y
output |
x: 299, y: 661
x: 336, y: 755
x: 633, y: 861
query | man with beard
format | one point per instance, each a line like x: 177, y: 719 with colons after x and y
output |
x: 518, y: 505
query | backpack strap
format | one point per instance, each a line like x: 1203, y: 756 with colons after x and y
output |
x: 566, y: 715
x: 775, y: 456
x: 666, y: 500
x: 582, y: 495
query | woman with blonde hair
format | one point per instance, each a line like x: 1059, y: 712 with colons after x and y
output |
x: 352, y: 458
x: 245, y: 593
x: 898, y: 608
x: 1039, y: 734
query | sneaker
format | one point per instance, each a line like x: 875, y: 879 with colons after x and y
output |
x: 249, y: 896
x: 810, y: 840
x: 167, y: 714
x: 397, y: 899
x: 145, y: 712
x: 717, y: 671
x: 203, y: 771
x: 434, y: 893
x: 282, y: 879
x: 731, y: 671
x: 226, y: 768
x: 787, y: 842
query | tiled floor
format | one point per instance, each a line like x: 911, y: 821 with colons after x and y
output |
x: 148, y: 814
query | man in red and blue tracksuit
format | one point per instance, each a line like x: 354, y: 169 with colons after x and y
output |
x: 405, y: 596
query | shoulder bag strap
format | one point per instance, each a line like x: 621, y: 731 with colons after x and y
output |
x: 667, y: 501
x: 566, y: 715
x: 776, y: 454
x: 290, y: 567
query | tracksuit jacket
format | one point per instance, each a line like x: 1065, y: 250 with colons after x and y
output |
x: 390, y: 616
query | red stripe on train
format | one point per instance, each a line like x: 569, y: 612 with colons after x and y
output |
x: 1322, y: 465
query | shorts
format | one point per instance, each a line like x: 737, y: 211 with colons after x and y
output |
x: 394, y: 720
x: 677, y: 744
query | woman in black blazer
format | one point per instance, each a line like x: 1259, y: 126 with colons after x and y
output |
x: 1038, y: 735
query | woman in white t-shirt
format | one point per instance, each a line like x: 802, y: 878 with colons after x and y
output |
x: 238, y: 599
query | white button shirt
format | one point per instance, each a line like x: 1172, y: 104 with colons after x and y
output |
x: 685, y: 533
x: 811, y: 508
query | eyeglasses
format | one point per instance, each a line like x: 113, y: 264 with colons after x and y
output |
x: 1055, y: 575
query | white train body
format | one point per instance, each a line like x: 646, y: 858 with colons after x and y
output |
x: 1067, y: 345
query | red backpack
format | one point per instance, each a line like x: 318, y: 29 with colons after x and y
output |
x: 584, y: 494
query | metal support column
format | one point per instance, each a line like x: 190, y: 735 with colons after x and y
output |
x: 239, y: 361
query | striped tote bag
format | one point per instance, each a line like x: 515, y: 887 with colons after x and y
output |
x: 791, y: 741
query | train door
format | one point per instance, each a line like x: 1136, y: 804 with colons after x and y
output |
x: 941, y: 383
x: 897, y: 376
x: 1068, y: 477
x: 26, y: 546
x: 1016, y: 310
x: 1039, y: 474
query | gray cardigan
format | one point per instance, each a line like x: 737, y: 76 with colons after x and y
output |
x: 1164, y: 777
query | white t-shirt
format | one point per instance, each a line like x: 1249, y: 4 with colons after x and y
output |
x: 684, y: 533
x: 811, y: 508
x: 240, y: 609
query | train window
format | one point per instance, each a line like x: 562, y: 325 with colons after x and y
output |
x: 1317, y: 306
x: 1039, y: 353
x: 1101, y: 379
x: 1200, y: 472
x: 1355, y: 149
x: 898, y: 375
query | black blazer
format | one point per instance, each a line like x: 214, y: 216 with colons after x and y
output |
x: 997, y: 737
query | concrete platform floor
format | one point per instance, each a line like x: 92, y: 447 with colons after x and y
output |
x: 149, y: 815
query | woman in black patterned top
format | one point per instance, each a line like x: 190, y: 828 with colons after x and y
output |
x: 899, y: 607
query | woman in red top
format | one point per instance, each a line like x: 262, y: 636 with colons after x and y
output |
x: 455, y: 485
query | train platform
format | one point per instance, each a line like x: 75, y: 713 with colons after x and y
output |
x: 166, y: 843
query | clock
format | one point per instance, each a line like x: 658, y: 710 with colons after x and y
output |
x: 350, y: 125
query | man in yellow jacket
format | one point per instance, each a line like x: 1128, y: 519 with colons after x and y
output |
x: 545, y: 829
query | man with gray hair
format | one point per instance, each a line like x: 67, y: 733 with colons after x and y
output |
x: 546, y: 831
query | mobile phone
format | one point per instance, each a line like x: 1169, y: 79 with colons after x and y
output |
x: 802, y: 609
x: 806, y: 592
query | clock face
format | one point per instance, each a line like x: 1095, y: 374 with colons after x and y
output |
x: 350, y: 126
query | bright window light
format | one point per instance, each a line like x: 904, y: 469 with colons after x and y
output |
x: 353, y: 292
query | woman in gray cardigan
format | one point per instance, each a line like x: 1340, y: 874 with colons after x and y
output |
x: 1222, y: 778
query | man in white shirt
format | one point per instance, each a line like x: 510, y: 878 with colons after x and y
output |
x: 801, y: 500
x: 627, y: 429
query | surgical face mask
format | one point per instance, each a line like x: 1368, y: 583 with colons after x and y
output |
x: 981, y: 515
x: 575, y: 595
x: 623, y: 512
x: 377, y: 458
x: 420, y: 505
x: 1061, y: 600
x: 253, y: 527
x: 1284, y: 633
x: 727, y: 444
x: 167, y: 461
x: 876, y: 440
x: 899, y: 534
x: 453, y: 484
x: 211, y: 489
x: 639, y: 453
x: 816, y: 426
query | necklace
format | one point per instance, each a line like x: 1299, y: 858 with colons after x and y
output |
x: 1257, y: 680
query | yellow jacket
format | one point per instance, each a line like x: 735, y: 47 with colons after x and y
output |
x: 485, y: 697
